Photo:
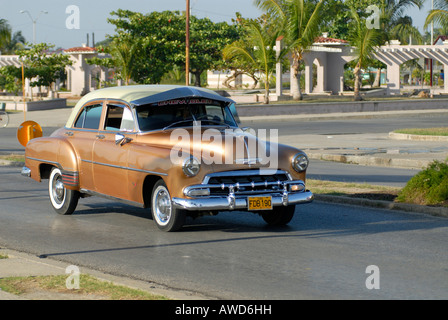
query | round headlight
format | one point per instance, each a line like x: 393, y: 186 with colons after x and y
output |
x: 191, y: 166
x: 300, y: 162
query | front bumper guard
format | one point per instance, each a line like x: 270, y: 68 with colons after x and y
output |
x: 226, y: 203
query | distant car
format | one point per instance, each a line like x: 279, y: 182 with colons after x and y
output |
x: 177, y: 150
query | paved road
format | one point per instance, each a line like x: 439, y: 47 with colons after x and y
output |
x: 323, y: 254
x: 351, y: 126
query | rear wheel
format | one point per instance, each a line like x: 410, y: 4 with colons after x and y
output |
x: 63, y: 200
x: 166, y: 217
x: 279, y: 216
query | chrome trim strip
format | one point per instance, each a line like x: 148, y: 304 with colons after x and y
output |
x: 42, y: 160
x: 125, y: 168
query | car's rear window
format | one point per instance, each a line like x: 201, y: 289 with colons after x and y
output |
x: 90, y: 117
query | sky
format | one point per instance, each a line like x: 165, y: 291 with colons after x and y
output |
x: 61, y: 27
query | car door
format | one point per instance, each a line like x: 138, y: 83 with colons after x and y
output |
x: 82, y: 136
x: 111, y: 149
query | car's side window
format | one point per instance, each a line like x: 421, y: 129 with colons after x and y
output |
x: 90, y: 117
x: 119, y: 118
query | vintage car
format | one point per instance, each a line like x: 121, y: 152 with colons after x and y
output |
x: 176, y: 150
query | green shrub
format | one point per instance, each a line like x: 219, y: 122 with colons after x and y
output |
x: 428, y: 187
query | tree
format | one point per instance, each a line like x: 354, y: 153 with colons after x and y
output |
x: 365, y: 40
x: 393, y: 24
x: 40, y: 66
x: 207, y: 41
x: 256, y: 49
x: 299, y: 22
x: 439, y: 14
x: 5, y: 32
x: 124, y: 53
x: 10, y: 42
x: 160, y: 43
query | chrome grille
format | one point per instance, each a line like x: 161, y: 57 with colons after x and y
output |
x: 246, y: 182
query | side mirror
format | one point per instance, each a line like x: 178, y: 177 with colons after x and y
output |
x: 120, y: 139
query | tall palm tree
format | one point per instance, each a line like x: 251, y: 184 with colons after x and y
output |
x: 5, y: 33
x: 124, y: 52
x: 365, y: 40
x: 256, y: 49
x: 397, y: 26
x: 299, y: 22
x: 438, y: 15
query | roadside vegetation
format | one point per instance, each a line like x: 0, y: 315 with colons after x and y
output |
x: 429, y: 187
x: 89, y: 287
x: 425, y: 132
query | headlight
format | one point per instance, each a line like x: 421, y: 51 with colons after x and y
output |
x: 300, y: 162
x: 191, y: 166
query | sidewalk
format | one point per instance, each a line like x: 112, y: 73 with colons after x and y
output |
x: 19, y: 264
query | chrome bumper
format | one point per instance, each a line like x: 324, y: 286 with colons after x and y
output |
x: 26, y: 172
x: 226, y: 203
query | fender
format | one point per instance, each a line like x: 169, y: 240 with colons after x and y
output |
x: 43, y: 153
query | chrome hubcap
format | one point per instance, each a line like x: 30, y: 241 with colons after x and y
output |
x: 163, y: 206
x: 58, y: 190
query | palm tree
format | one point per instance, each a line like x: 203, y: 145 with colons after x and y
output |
x: 396, y: 26
x: 365, y: 40
x: 257, y: 50
x: 438, y: 15
x: 299, y: 22
x: 5, y: 33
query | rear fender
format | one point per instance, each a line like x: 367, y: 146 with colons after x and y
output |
x: 41, y: 154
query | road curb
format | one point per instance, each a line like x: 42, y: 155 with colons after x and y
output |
x: 433, y: 211
x: 416, y: 137
x: 370, y: 161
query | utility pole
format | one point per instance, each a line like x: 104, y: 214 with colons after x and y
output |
x: 187, y: 45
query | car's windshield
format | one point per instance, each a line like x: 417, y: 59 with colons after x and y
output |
x: 182, y: 113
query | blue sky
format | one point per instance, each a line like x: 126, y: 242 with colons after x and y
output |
x: 52, y: 27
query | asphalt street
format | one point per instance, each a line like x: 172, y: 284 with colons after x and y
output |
x: 323, y: 254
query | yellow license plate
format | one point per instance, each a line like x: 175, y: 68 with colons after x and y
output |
x: 259, y: 203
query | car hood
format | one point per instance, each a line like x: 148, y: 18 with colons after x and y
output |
x: 218, y: 147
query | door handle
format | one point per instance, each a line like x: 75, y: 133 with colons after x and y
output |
x: 100, y: 136
x: 69, y: 133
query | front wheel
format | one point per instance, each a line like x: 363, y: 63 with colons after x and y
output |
x: 166, y: 217
x: 63, y: 200
x: 279, y: 216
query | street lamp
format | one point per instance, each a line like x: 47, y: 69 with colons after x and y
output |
x: 34, y: 22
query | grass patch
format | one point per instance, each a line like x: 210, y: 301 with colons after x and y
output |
x: 13, y: 157
x: 88, y: 286
x: 3, y: 256
x: 349, y: 188
x: 425, y: 132
x: 428, y: 187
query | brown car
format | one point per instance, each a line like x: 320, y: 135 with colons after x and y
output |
x: 177, y: 150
